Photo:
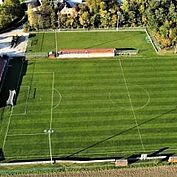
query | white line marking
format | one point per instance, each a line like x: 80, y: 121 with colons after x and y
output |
x: 151, y: 41
x: 7, y: 129
x: 22, y: 157
x: 59, y: 99
x: 25, y: 134
x: 130, y: 100
x: 20, y: 114
x: 39, y: 72
x: 51, y: 118
x: 135, y: 109
x: 26, y: 103
x: 52, y: 97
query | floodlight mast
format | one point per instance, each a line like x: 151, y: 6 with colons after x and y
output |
x: 56, y: 44
x: 118, y: 19
x: 58, y: 20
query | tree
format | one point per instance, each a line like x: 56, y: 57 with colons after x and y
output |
x: 62, y: 18
x: 105, y: 18
x: 85, y: 19
x: 4, y: 20
x: 94, y: 5
x: 53, y: 20
x: 32, y: 18
x: 95, y: 20
x: 14, y: 8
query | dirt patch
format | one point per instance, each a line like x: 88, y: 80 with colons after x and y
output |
x: 163, y: 171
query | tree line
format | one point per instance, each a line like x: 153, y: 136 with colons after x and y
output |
x: 10, y: 10
x: 160, y: 16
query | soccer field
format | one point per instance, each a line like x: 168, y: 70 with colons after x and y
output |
x: 45, y: 42
x: 92, y: 109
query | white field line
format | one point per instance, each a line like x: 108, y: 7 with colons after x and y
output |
x: 130, y: 100
x: 26, y: 134
x: 26, y: 156
x: 8, y: 125
x: 51, y: 118
x: 39, y: 72
x: 26, y: 102
x: 50, y: 148
x: 138, y: 108
x: 52, y: 97
x: 152, y: 43
x: 59, y: 99
x: 7, y: 129
x: 20, y: 114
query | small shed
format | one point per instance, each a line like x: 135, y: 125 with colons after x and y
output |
x: 121, y: 163
x: 52, y: 54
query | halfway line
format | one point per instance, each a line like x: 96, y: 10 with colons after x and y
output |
x: 130, y: 100
x: 51, y: 118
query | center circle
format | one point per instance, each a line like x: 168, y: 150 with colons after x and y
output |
x: 135, y: 96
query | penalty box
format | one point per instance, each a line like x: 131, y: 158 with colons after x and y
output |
x: 35, y: 94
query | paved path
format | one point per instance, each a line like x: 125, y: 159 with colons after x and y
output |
x: 6, y: 38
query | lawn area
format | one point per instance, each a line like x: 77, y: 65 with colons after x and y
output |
x: 92, y: 109
x: 45, y: 42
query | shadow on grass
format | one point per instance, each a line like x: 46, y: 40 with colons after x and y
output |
x: 156, y: 153
x: 1, y: 155
x: 100, y: 44
x: 13, y: 78
x: 161, y: 152
x: 120, y: 133
x: 32, y: 35
x: 135, y: 157
x: 61, y: 158
x: 1, y: 114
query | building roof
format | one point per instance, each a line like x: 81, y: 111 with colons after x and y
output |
x: 86, y: 51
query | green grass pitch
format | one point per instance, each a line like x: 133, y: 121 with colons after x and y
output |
x: 93, y: 108
x: 45, y: 42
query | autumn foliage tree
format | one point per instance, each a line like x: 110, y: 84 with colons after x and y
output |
x: 159, y: 16
x: 10, y: 10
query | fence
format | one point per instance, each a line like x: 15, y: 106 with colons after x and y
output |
x: 37, y: 55
x: 90, y: 30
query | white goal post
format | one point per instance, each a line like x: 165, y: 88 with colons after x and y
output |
x: 11, y: 97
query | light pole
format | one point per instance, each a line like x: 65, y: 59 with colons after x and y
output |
x: 118, y: 19
x: 58, y: 14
